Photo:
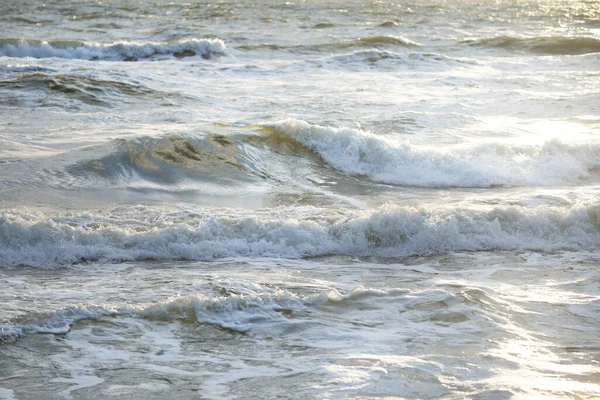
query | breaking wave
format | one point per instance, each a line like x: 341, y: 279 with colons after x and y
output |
x: 292, y: 153
x: 112, y: 52
x: 146, y: 233
x: 235, y: 312
x: 382, y: 159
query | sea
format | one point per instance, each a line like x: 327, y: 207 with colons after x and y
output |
x: 304, y: 199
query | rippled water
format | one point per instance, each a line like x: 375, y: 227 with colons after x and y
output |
x: 313, y: 199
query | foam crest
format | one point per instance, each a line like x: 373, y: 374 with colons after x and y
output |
x: 357, y: 152
x: 54, y: 323
x: 114, y: 52
x: 144, y: 233
x: 236, y: 312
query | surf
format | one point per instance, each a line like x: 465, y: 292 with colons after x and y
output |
x: 120, y: 51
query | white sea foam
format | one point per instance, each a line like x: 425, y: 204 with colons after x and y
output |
x: 7, y: 394
x: 56, y: 323
x: 115, y: 51
x: 383, y: 159
x: 239, y: 312
x: 141, y: 233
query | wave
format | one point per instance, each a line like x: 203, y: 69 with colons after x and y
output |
x: 382, y: 159
x: 364, y: 42
x: 181, y: 165
x: 234, y: 312
x: 91, y: 91
x: 295, y: 155
x: 163, y: 160
x: 20, y: 69
x: 124, y: 51
x: 231, y: 311
x: 378, y: 41
x: 323, y: 25
x: 379, y: 58
x: 551, y: 45
x: 145, y: 233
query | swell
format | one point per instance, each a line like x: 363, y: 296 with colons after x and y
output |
x: 383, y: 159
x: 190, y: 162
x: 551, y: 45
x: 91, y: 91
x: 364, y: 42
x: 295, y: 153
x: 147, y: 233
x: 202, y: 164
x: 381, y: 58
x: 164, y: 160
x: 124, y: 51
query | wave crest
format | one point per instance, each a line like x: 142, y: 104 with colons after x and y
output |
x: 364, y: 42
x: 235, y: 312
x: 382, y: 159
x: 91, y: 91
x: 385, y: 58
x: 144, y: 233
x: 111, y: 52
x: 551, y: 45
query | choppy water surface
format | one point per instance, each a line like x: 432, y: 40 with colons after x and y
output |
x: 312, y: 199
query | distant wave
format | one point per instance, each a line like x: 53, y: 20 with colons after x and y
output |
x: 91, y: 91
x: 364, y: 42
x: 124, y: 51
x: 357, y: 152
x: 145, y: 233
x: 381, y: 58
x: 551, y: 45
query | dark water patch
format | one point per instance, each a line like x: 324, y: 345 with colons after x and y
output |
x: 263, y: 46
x: 323, y: 25
x: 165, y: 160
x: 278, y: 141
x: 549, y: 45
x: 374, y: 58
x: 31, y: 21
x: 107, y: 25
x: 87, y: 90
x: 377, y: 42
x: 389, y: 24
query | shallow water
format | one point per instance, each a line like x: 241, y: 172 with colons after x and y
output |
x: 300, y: 200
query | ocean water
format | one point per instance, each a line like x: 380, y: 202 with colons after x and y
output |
x: 312, y: 199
